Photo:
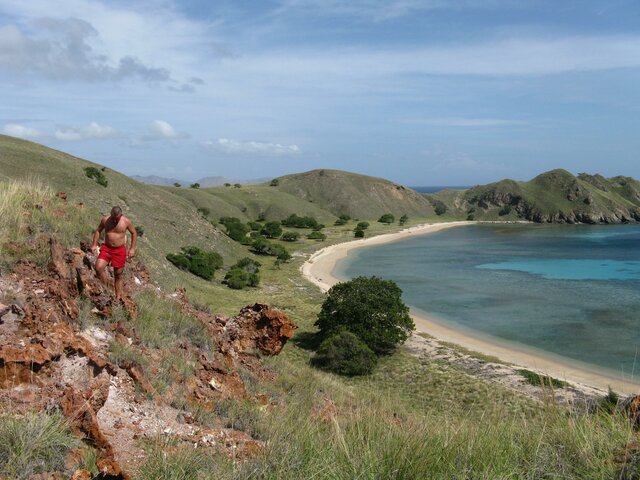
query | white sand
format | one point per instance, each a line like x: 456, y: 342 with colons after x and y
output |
x: 319, y: 270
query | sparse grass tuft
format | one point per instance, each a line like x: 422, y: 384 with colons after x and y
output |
x: 161, y: 324
x: 542, y: 380
x: 32, y: 444
x: 166, y: 462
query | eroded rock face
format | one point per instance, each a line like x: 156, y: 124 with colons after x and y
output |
x: 48, y: 364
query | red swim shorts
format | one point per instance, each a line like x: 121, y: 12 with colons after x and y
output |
x: 117, y: 256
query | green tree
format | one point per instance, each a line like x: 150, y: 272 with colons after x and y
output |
x: 197, y: 261
x: 369, y: 307
x: 176, y: 184
x: 271, y: 230
x: 237, y: 231
x: 275, y: 182
x: 358, y: 233
x: 403, y: 219
x: 387, y: 218
x: 317, y: 235
x: 439, y: 207
x: 194, y: 185
x: 290, y: 236
x: 362, y: 225
x: 345, y: 354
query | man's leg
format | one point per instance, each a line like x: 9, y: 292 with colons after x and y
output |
x: 118, y: 274
x: 101, y: 271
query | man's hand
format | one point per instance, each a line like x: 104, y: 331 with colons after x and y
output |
x: 132, y: 253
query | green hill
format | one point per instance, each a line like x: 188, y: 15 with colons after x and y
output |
x: 358, y: 196
x: 164, y: 215
x: 556, y: 196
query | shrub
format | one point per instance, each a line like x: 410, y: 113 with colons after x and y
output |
x: 317, y: 235
x: 204, y: 211
x: 254, y: 226
x: 243, y: 274
x: 194, y: 185
x: 294, y: 220
x: 237, y: 231
x: 139, y: 230
x: 439, y: 207
x: 506, y: 210
x: 275, y: 182
x: 345, y: 354
x: 387, y: 218
x: 262, y: 216
x: 177, y: 185
x: 362, y: 225
x: 369, y: 307
x: 199, y: 262
x: 290, y: 236
x: 97, y: 175
x: 403, y: 219
x: 33, y: 443
x: 237, y: 185
x: 358, y: 233
x: 339, y: 222
x: 271, y: 230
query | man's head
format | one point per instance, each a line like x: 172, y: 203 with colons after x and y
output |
x: 116, y: 213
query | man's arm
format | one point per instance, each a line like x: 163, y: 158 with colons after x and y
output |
x: 134, y: 239
x: 96, y: 235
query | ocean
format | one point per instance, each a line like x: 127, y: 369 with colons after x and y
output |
x: 571, y: 290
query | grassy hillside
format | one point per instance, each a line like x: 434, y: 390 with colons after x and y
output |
x: 556, y: 196
x: 359, y: 196
x: 249, y: 201
x: 413, y: 418
x: 163, y: 215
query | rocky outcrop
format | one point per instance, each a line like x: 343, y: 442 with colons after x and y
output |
x: 50, y: 362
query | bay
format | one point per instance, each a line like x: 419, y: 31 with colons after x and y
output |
x: 572, y: 290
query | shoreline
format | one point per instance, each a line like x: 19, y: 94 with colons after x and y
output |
x: 319, y: 270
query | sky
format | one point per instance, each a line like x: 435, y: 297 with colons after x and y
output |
x: 421, y: 92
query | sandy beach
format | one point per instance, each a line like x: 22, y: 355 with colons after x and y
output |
x: 319, y: 269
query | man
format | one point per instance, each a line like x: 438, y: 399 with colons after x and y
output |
x: 113, y: 251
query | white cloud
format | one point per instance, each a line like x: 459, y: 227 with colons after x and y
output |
x: 263, y: 148
x: 163, y: 130
x: 21, y: 131
x: 63, y: 50
x: 91, y: 131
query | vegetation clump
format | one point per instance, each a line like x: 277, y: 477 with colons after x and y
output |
x: 294, y: 220
x: 33, y: 444
x: 274, y: 183
x: 194, y: 185
x: 317, y: 235
x: 290, y: 236
x: 245, y: 273
x: 97, y: 175
x: 542, y: 380
x: 358, y: 233
x: 345, y: 354
x: 271, y: 230
x: 439, y: 207
x: 387, y: 218
x: 199, y: 262
x: 369, y: 307
x: 235, y: 228
x: 262, y: 246
x: 362, y: 225
x: 403, y: 219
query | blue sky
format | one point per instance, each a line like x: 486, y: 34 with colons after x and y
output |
x: 429, y: 92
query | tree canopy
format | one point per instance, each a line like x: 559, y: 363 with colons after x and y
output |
x: 369, y: 307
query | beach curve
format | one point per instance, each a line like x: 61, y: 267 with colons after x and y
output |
x: 319, y: 270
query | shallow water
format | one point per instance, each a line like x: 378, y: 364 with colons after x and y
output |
x: 570, y: 290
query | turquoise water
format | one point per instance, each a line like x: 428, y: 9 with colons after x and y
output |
x: 570, y: 290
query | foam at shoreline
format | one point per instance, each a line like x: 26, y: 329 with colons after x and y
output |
x: 320, y: 267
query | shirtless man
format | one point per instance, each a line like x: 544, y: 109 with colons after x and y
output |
x: 113, y: 251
